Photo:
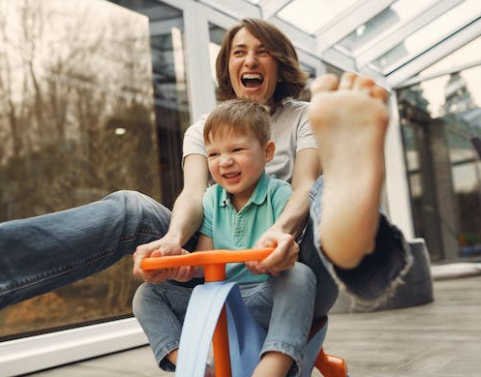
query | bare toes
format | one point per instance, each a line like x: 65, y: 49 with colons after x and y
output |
x: 347, y: 80
x: 379, y: 93
x: 324, y: 83
x: 364, y: 85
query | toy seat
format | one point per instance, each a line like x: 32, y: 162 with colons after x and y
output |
x: 217, y: 314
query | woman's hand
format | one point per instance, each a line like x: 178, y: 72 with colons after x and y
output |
x: 159, y: 248
x: 284, y: 256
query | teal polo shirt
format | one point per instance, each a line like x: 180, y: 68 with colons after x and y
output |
x: 233, y: 230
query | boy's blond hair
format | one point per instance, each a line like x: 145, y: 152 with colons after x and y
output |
x: 239, y: 116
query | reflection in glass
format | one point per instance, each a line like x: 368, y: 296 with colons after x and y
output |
x: 79, y: 118
x: 428, y: 36
x: 444, y: 168
x: 216, y: 36
x: 170, y: 89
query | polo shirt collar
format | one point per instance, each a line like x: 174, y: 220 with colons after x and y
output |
x: 258, y: 196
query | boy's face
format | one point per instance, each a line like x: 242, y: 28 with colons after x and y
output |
x: 237, y: 161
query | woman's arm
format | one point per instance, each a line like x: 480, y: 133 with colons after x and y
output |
x: 307, y: 169
x: 185, y: 220
x: 290, y: 223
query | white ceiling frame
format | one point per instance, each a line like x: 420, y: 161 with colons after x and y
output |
x: 453, y: 69
x: 451, y: 44
x: 338, y: 59
x: 372, y: 52
x: 299, y: 38
x: 165, y: 26
x: 235, y: 8
x: 396, y: 184
x: 178, y: 4
x: 197, y: 61
x: 349, y: 21
x: 269, y: 8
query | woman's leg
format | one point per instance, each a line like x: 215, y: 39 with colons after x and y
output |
x: 160, y: 310
x: 326, y: 288
x: 375, y: 279
x: 42, y: 253
x: 349, y: 229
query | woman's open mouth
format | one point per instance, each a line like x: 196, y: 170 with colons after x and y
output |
x: 252, y: 80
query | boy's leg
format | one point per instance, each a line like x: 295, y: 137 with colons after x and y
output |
x: 273, y: 364
x: 284, y: 306
x: 45, y: 252
x: 160, y: 310
x: 350, y: 120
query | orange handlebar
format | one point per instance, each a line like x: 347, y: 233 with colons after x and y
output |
x: 207, y: 257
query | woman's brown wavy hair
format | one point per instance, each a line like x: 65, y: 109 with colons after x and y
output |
x: 292, y: 78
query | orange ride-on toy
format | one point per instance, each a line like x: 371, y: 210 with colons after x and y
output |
x: 217, y: 315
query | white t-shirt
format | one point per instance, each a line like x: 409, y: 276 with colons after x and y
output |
x: 290, y: 131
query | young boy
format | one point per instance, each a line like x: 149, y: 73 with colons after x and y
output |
x: 243, y: 204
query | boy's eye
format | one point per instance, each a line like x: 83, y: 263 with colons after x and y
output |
x: 212, y: 154
x: 238, y: 149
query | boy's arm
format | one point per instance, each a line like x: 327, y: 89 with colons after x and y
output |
x: 204, y: 243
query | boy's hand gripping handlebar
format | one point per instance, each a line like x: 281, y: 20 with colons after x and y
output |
x: 214, y: 261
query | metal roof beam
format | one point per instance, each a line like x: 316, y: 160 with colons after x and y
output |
x: 465, y: 35
x: 348, y: 21
x: 234, y: 8
x: 400, y: 34
x: 299, y: 38
x: 269, y: 8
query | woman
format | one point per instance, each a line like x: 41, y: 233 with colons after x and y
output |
x: 257, y: 61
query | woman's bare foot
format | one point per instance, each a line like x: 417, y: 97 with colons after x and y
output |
x: 349, y: 118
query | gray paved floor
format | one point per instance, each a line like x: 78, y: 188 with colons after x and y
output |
x: 442, y: 339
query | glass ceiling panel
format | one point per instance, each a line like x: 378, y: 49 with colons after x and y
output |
x: 310, y: 16
x: 377, y: 27
x: 428, y: 36
x: 467, y: 55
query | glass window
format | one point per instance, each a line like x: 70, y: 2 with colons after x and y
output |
x: 310, y: 16
x: 428, y: 36
x: 216, y: 36
x: 378, y: 27
x: 80, y: 118
x: 469, y: 54
x: 441, y: 121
